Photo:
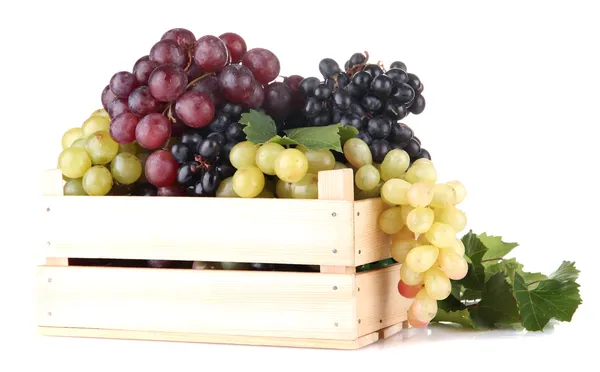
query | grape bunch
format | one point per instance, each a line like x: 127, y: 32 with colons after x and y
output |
x: 92, y: 163
x: 369, y: 98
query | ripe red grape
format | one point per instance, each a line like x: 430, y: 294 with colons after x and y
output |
x: 235, y: 44
x: 152, y: 131
x: 161, y: 168
x: 195, y: 109
x: 142, y: 103
x: 173, y: 190
x: 256, y: 98
x: 107, y: 97
x: 142, y: 69
x: 263, y: 64
x: 167, y: 82
x: 210, y: 53
x: 293, y: 81
x: 117, y: 107
x: 236, y: 83
x: 123, y: 83
x: 184, y: 38
x: 168, y: 51
x: 210, y: 86
x: 122, y: 128
x: 278, y: 99
x: 408, y: 291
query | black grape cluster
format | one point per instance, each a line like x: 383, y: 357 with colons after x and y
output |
x: 367, y: 97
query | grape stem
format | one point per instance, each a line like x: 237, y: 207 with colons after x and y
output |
x: 202, y: 163
x: 198, y: 79
x: 190, y: 60
x: 492, y: 259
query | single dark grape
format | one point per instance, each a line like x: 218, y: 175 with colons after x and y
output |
x: 308, y: 86
x: 356, y: 59
x: 257, y: 97
x: 400, y: 133
x: 184, y: 38
x: 322, y: 92
x: 173, y: 190
x: 379, y: 127
x: 412, y: 148
x: 322, y: 119
x: 347, y: 65
x: 142, y: 69
x: 219, y: 123
x: 235, y: 132
x: 197, y: 189
x: 209, y: 149
x: 365, y: 136
x: 328, y: 67
x: 379, y: 149
x: 122, y: 128
x: 342, y: 99
x: 123, y: 83
x: 167, y: 82
x: 363, y: 80
x: 371, y: 103
x: 397, y: 146
x: 235, y: 44
x: 417, y: 139
x: 357, y: 109
x: 394, y: 110
x: 399, y: 76
x: 236, y: 83
x: 399, y: 65
x: 219, y: 137
x: 351, y: 120
x: 263, y: 63
x: 336, y: 116
x: 182, y: 152
x: 355, y: 91
x: 403, y: 93
x: 382, y: 86
x: 117, y: 107
x: 423, y: 154
x: 210, y: 53
x: 168, y: 51
x: 340, y: 80
x: 210, y: 181
x: 232, y: 110
x: 225, y: 170
x: 278, y: 99
x: 418, y: 105
x: 415, y: 83
x: 186, y: 173
x: 191, y: 138
x: 313, y: 107
x: 141, y: 102
x: 107, y: 97
x: 144, y: 189
x: 373, y: 70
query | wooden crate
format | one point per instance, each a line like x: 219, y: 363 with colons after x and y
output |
x: 335, y: 308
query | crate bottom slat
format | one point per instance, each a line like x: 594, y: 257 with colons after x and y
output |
x: 222, y: 339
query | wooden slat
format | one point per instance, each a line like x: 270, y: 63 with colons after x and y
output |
x: 52, y: 185
x: 311, y: 232
x: 241, y: 303
x: 379, y: 305
x: 370, y: 243
x: 214, y: 339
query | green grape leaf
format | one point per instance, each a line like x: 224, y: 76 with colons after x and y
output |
x: 346, y: 133
x: 475, y: 250
x: 462, y: 317
x: 496, y: 247
x: 471, y: 295
x: 317, y: 138
x: 509, y: 267
x: 557, y: 297
x: 259, y: 127
x: 497, y: 306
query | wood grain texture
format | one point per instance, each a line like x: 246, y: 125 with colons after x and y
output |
x: 370, y: 243
x: 336, y: 185
x: 241, y: 303
x: 379, y: 305
x: 208, y: 338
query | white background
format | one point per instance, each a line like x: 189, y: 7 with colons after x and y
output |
x: 512, y: 92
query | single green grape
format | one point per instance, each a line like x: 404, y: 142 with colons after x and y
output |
x: 419, y: 220
x: 97, y: 181
x: 422, y: 172
x: 394, y: 164
x: 451, y: 216
x: 390, y: 221
x: 71, y: 136
x: 357, y: 152
x: 441, y: 235
x: 444, y: 195
x: 291, y: 165
x: 225, y: 189
x: 248, y: 181
x: 101, y: 112
x: 101, y: 147
x: 243, y: 154
x: 283, y: 189
x: 126, y: 168
x: 74, y: 188
x: 319, y: 160
x: 395, y: 191
x: 94, y: 124
x: 367, y: 177
x: 266, y: 155
x: 80, y: 143
x: 307, y: 187
x: 74, y: 162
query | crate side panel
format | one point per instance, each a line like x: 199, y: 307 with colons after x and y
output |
x: 243, y: 303
x: 379, y: 305
x: 371, y: 244
x: 313, y: 232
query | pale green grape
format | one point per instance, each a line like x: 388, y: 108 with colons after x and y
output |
x: 101, y: 112
x: 367, y: 177
x: 419, y: 220
x: 441, y: 235
x: 410, y: 276
x: 422, y: 172
x: 97, y: 181
x: 460, y: 191
x: 283, y: 189
x: 248, y: 181
x: 420, y: 194
x: 71, y: 136
x: 225, y: 189
x: 131, y: 148
x: 101, y: 147
x: 395, y: 191
x: 443, y: 195
x: 291, y: 165
x: 94, y: 124
x: 243, y: 154
x: 306, y: 188
x: 457, y: 247
x: 437, y: 284
x: 357, y: 152
x: 80, y: 143
x: 126, y: 168
x: 318, y: 160
x: 394, y: 164
x: 390, y: 221
x: 406, y: 209
x: 454, y: 266
x: 400, y: 249
x: 422, y: 161
x: 422, y: 258
x: 266, y: 155
x: 74, y: 162
x: 424, y: 308
x: 373, y: 193
x: 451, y: 216
x: 74, y: 187
x: 339, y: 165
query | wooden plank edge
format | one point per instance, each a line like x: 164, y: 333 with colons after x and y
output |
x: 391, y: 330
x: 210, y: 338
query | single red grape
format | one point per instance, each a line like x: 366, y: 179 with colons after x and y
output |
x: 122, y: 128
x: 408, y: 291
x: 117, y: 107
x: 263, y: 63
x: 278, y: 99
x: 123, y: 83
x: 107, y: 97
x: 142, y: 103
x: 184, y: 38
x: 256, y: 98
x: 195, y: 109
x: 152, y: 131
x: 167, y: 82
x: 161, y: 168
x: 235, y: 44
x: 210, y: 86
x: 168, y: 51
x: 142, y: 69
x: 210, y: 53
x: 293, y: 81
x: 236, y: 83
